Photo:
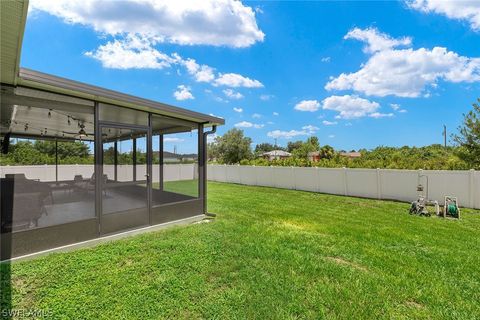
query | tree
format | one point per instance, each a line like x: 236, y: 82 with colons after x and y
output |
x: 233, y: 147
x: 292, y: 145
x: 306, y: 147
x: 327, y: 152
x: 468, y: 137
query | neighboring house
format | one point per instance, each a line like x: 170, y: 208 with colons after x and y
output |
x: 351, y: 155
x: 314, y: 156
x: 276, y: 155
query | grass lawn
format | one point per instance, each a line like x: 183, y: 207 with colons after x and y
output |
x: 270, y: 254
x: 186, y: 187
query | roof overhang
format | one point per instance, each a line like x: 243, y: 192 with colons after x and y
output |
x: 42, y: 81
x: 13, y: 14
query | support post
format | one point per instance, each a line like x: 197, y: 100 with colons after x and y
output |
x: 115, y: 161
x: 160, y: 161
x: 345, y: 182
x: 134, y: 146
x: 379, y: 184
x: 202, y: 163
x: 56, y: 160
x: 471, y: 188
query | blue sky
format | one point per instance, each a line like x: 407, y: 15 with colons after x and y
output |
x: 354, y: 74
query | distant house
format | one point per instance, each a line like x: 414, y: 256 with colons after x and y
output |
x: 314, y: 156
x: 351, y: 155
x: 276, y: 154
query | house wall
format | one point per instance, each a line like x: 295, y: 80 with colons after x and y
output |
x: 368, y: 183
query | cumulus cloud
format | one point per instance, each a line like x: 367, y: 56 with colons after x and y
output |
x: 246, y: 124
x: 395, y: 106
x: 275, y: 113
x: 307, y: 105
x: 201, y: 73
x: 310, y: 128
x: 256, y: 115
x: 239, y: 110
x: 187, y: 22
x: 460, y: 10
x: 232, y: 94
x: 329, y: 123
x: 350, y: 107
x: 325, y: 59
x: 133, y: 52
x: 376, y: 40
x: 183, y: 93
x: 135, y: 27
x: 236, y: 80
x: 405, y: 72
x: 287, y: 134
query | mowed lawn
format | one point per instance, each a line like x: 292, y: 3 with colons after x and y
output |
x: 270, y: 254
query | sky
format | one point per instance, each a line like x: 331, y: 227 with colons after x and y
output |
x: 355, y: 74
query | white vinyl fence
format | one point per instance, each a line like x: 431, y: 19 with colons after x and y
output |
x: 369, y: 183
x: 172, y: 172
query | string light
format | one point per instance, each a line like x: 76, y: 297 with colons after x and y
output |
x: 49, y: 113
x: 69, y: 123
x: 26, y: 126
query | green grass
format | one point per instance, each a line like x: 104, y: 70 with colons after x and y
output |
x: 186, y: 187
x: 270, y: 254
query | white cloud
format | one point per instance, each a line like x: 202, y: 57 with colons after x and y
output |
x: 270, y: 122
x: 329, y: 123
x: 256, y: 115
x: 235, y: 80
x: 325, y: 59
x: 378, y: 115
x: 406, y: 72
x: 246, y: 124
x: 201, y: 73
x: 239, y: 110
x: 402, y: 111
x: 395, y: 106
x: 310, y: 128
x: 460, y: 10
x: 331, y: 136
x: 275, y: 113
x: 350, y: 107
x: 307, y: 105
x: 287, y: 134
x: 186, y: 22
x: 131, y: 53
x: 348, y: 124
x: 232, y: 94
x: 376, y: 40
x: 266, y: 97
x: 173, y: 139
x: 183, y: 93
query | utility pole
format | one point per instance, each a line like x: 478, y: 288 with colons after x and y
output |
x: 444, y: 136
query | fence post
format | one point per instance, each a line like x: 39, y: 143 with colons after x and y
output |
x: 471, y: 188
x: 379, y: 185
x: 294, y: 178
x: 317, y: 179
x: 345, y: 182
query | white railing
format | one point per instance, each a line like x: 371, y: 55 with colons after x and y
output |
x: 172, y: 172
x: 369, y: 183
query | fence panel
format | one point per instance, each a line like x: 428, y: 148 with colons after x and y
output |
x: 331, y: 181
x: 370, y: 183
x: 283, y: 177
x: 306, y: 179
